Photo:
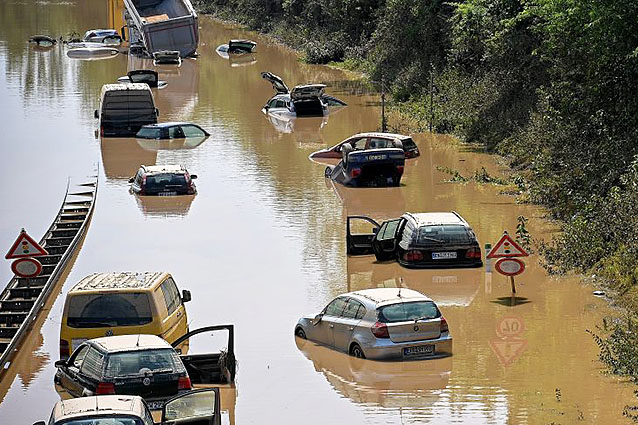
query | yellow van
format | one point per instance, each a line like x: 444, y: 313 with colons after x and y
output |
x: 105, y: 304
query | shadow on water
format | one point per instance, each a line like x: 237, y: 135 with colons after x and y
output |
x: 512, y: 301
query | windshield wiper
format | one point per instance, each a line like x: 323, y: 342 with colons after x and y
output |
x: 432, y: 239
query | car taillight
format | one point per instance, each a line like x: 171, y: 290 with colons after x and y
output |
x: 474, y: 252
x: 380, y: 330
x: 143, y: 186
x: 444, y: 326
x: 413, y: 255
x: 101, y: 130
x: 64, y: 349
x: 184, y: 383
x: 105, y: 388
x: 400, y: 169
x: 355, y: 172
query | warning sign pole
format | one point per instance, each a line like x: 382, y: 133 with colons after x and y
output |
x: 513, y: 285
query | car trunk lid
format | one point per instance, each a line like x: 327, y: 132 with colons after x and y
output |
x: 415, y: 330
x: 148, y: 385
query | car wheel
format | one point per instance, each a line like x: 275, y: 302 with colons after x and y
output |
x: 300, y: 333
x: 356, y: 351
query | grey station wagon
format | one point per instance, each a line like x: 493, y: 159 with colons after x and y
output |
x: 380, y: 323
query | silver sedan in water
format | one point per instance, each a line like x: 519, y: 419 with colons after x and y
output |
x: 381, y: 323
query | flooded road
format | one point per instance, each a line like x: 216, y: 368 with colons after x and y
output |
x: 263, y: 242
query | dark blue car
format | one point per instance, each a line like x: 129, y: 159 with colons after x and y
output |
x: 368, y: 168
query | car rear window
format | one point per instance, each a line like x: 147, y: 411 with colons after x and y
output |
x: 404, y: 312
x: 140, y: 362
x: 104, y: 420
x: 148, y: 133
x: 448, y: 234
x: 408, y: 144
x: 101, y: 310
x: 162, y: 181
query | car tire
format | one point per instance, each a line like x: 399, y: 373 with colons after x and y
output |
x: 356, y: 351
x: 300, y: 333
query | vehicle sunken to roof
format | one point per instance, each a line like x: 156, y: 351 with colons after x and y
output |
x: 117, y: 281
x: 140, y: 342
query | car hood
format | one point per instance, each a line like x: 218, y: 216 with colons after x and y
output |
x: 276, y: 81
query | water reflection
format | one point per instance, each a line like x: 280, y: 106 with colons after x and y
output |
x: 122, y: 157
x: 170, y: 144
x: 406, y: 384
x: 164, y: 206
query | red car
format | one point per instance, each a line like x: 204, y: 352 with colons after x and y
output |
x: 363, y: 141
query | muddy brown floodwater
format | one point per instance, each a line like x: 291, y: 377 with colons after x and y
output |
x: 262, y: 243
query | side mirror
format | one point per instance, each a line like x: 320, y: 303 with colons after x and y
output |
x: 266, y: 107
x: 186, y: 296
x: 95, y: 114
x: 131, y: 180
x: 193, y: 176
x: 317, y: 319
x: 60, y: 363
x: 375, y: 230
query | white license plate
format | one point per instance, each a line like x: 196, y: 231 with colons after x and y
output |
x: 376, y: 157
x: 419, y: 350
x: 443, y: 255
x: 167, y: 193
x: 155, y: 405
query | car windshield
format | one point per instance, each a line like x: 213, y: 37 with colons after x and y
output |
x: 404, y: 312
x: 149, y: 133
x: 144, y: 361
x: 104, y: 420
x: 162, y: 181
x: 143, y: 78
x: 444, y: 234
x: 101, y: 310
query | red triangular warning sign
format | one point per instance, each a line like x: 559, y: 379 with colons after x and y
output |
x: 24, y: 247
x: 508, y: 350
x: 506, y: 247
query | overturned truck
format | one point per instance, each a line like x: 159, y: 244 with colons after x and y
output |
x: 162, y: 25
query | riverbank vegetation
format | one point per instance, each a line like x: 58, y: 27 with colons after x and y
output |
x: 550, y: 84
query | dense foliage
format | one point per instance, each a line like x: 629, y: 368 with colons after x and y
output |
x: 552, y: 84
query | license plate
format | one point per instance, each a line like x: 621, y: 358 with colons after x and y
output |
x: 376, y: 157
x: 427, y: 350
x: 443, y: 255
x: 167, y: 193
x: 155, y: 405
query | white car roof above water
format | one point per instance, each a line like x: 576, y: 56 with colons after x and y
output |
x: 381, y: 135
x: 384, y: 296
x: 434, y: 218
x: 96, y: 405
x: 164, y: 168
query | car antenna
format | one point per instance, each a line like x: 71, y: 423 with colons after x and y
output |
x: 399, y: 294
x: 137, y: 344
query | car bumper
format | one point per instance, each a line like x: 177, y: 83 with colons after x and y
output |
x: 386, y: 349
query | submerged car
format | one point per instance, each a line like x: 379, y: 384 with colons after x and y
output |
x: 442, y: 239
x: 380, y: 324
x: 144, y: 365
x: 193, y: 407
x: 147, y: 76
x: 167, y: 57
x: 105, y: 36
x: 163, y: 180
x: 363, y: 141
x: 306, y: 100
x: 237, y: 47
x: 368, y: 168
x: 171, y: 130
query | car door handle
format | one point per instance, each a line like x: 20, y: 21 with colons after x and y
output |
x: 331, y: 325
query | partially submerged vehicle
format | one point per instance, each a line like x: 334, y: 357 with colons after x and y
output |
x: 308, y: 100
x: 103, y: 36
x: 163, y: 180
x: 380, y: 324
x: 363, y: 141
x: 92, y: 52
x: 43, y: 40
x: 171, y: 130
x: 237, y: 47
x: 147, y: 76
x: 420, y: 240
x: 163, y: 25
x: 167, y: 57
x: 368, y: 168
x: 125, y: 108
x: 196, y: 407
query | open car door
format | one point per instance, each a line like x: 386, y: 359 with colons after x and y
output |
x: 358, y: 243
x: 197, y: 407
x: 210, y: 368
x: 385, y: 242
x: 276, y: 81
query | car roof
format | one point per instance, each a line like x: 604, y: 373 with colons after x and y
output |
x: 381, y: 135
x: 154, y: 169
x: 95, y: 405
x: 167, y: 124
x: 384, y: 296
x: 118, y: 280
x: 437, y: 218
x: 130, y: 343
x: 124, y: 86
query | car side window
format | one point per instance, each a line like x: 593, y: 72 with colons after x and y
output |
x: 171, y: 295
x: 78, y: 357
x: 378, y: 143
x: 335, y: 308
x: 192, y: 131
x: 93, y: 364
x: 175, y: 133
x: 280, y: 104
x: 352, y: 308
x: 148, y: 418
x: 388, y: 230
x: 272, y: 103
x: 138, y: 178
x: 359, y: 144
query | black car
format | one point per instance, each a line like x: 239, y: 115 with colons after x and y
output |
x: 143, y: 365
x: 147, y: 76
x: 417, y: 240
x: 171, y: 130
x: 163, y: 180
x: 369, y: 167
